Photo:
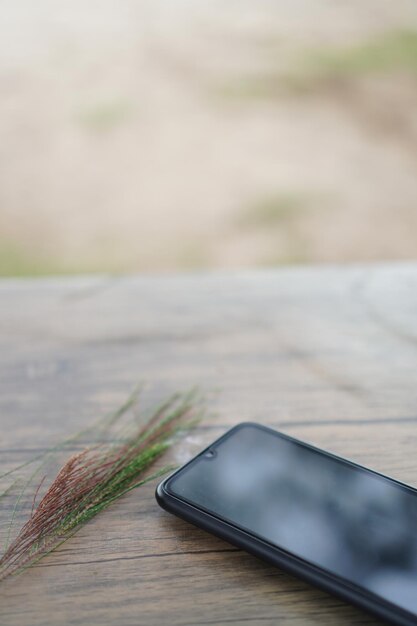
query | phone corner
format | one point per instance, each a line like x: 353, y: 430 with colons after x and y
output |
x: 160, y: 493
x: 245, y: 424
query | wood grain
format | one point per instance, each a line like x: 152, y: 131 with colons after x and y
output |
x: 326, y: 354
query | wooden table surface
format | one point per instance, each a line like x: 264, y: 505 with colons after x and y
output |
x: 325, y: 354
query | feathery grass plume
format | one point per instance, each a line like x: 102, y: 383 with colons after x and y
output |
x: 94, y: 477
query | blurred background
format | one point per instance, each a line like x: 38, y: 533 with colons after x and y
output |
x: 149, y: 135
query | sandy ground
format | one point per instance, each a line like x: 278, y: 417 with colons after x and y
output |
x: 153, y: 135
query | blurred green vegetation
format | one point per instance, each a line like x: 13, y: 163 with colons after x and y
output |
x: 105, y: 116
x: 312, y: 69
x: 16, y: 260
x: 273, y: 210
x: 278, y: 216
x: 19, y: 260
x: 393, y: 52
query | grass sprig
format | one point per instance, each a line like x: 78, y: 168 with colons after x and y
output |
x: 94, y: 478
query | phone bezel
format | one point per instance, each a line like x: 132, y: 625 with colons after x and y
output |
x: 249, y: 541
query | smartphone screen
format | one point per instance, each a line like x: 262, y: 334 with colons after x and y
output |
x: 345, y: 519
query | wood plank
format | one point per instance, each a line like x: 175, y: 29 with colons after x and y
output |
x: 325, y: 354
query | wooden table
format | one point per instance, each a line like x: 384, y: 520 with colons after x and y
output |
x: 324, y: 354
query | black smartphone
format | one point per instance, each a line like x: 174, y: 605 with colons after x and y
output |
x: 336, y: 524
